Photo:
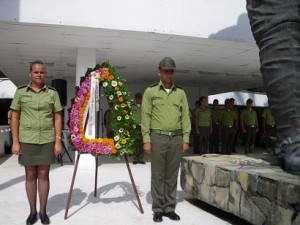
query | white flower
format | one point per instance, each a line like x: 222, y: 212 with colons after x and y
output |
x: 105, y: 84
x: 120, y: 83
x: 119, y: 118
x: 117, y: 137
x: 121, y: 130
x: 117, y: 107
x: 124, y: 93
x: 114, y: 83
x: 119, y: 93
x: 134, y: 126
x: 126, y: 117
x: 118, y: 146
x: 111, y: 97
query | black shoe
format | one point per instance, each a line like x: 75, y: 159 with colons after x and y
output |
x: 135, y: 162
x: 142, y: 162
x: 44, y: 218
x: 157, y: 217
x: 172, y: 216
x: 32, y: 218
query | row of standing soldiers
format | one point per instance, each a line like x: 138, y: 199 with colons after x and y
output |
x: 215, y: 127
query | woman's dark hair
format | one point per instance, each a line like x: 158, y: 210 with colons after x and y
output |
x: 36, y: 62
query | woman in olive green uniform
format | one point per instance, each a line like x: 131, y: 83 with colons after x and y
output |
x: 36, y: 125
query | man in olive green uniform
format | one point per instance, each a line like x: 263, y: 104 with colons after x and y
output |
x: 269, y: 128
x: 249, y: 126
x: 136, y: 109
x: 203, y: 125
x: 235, y: 109
x: 229, y: 121
x: 215, y: 135
x: 166, y: 128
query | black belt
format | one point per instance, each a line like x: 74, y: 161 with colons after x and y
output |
x: 228, y: 126
x: 251, y: 126
x: 167, y: 133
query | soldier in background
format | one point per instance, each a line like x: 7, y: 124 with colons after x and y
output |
x: 108, y: 121
x: 236, y: 111
x: 229, y: 121
x: 215, y: 135
x: 193, y: 123
x: 203, y: 125
x: 249, y: 126
x: 138, y: 156
x: 269, y: 128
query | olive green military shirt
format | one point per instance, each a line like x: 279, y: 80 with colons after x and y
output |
x: 249, y: 117
x: 228, y: 117
x: 165, y: 111
x: 36, y: 113
x: 269, y: 118
x: 137, y: 114
x: 203, y: 117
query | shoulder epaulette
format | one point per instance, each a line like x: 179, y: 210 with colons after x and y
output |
x: 178, y: 86
x: 22, y: 86
x: 153, y: 85
x: 52, y: 88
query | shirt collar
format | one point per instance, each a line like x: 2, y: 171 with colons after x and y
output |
x: 160, y: 85
x: 29, y: 87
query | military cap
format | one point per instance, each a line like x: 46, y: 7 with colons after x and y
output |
x: 167, y: 63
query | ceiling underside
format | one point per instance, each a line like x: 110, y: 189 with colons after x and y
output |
x: 219, y: 65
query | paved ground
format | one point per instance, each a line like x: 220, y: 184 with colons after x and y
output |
x: 115, y: 202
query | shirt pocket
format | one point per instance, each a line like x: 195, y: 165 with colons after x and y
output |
x: 177, y: 105
x: 176, y: 108
x: 25, y: 101
x: 158, y: 103
x: 46, y: 104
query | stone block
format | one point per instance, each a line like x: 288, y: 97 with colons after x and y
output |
x: 221, y: 198
x: 222, y: 177
x: 250, y: 211
x: 235, y: 191
x: 246, y: 187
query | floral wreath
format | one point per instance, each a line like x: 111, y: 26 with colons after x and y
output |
x: 124, y: 126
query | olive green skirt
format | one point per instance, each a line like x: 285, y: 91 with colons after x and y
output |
x: 36, y: 154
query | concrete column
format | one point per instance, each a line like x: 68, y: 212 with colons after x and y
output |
x: 86, y: 58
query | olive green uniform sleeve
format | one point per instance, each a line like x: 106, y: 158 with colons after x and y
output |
x: 146, y: 115
x: 15, y: 105
x: 185, y: 121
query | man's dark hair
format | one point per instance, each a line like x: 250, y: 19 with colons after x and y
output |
x: 201, y: 98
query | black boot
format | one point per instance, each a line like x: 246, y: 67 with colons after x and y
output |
x: 276, y: 29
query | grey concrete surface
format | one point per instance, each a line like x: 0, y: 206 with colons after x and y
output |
x: 115, y: 202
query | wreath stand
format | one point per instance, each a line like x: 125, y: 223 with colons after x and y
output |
x: 95, y: 188
x: 96, y: 172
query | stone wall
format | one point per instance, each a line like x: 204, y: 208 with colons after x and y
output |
x: 246, y: 187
